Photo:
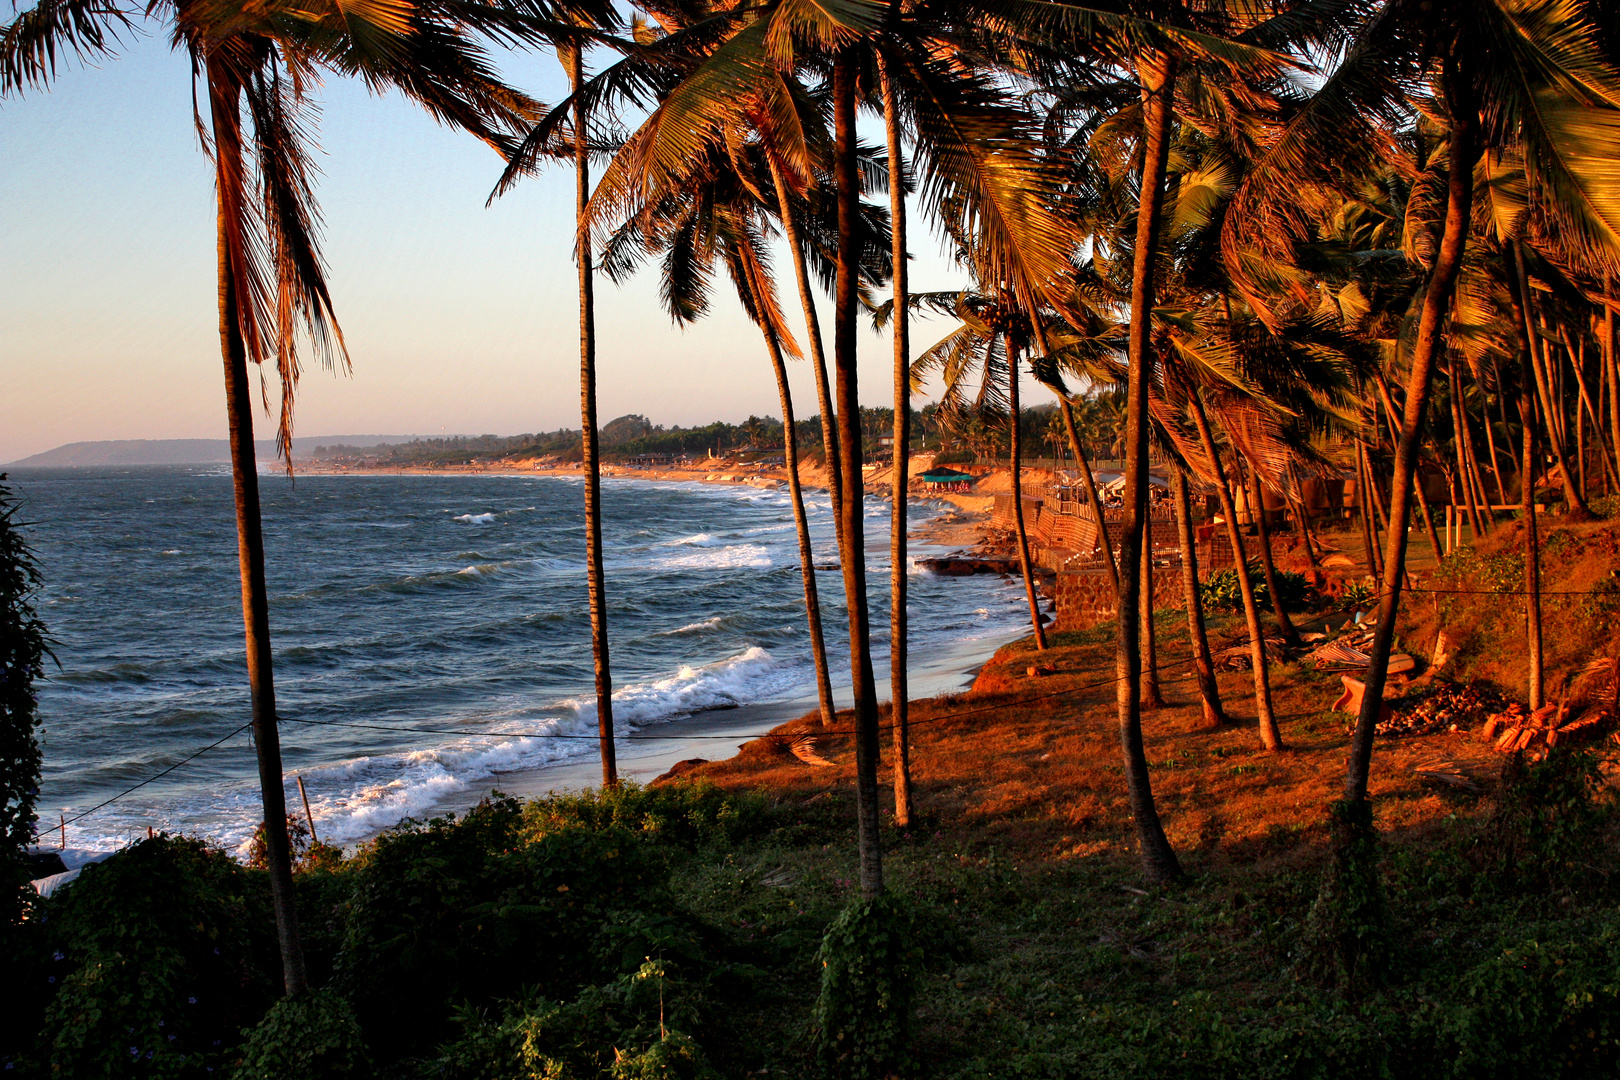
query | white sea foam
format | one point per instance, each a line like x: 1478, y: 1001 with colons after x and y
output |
x: 693, y: 628
x: 476, y: 519
x: 721, y: 685
x: 718, y: 558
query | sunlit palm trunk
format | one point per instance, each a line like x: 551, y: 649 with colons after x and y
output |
x: 1209, y: 691
x: 1159, y: 860
x: 1527, y: 493
x: 807, y: 565
x: 849, y: 436
x: 1614, y: 385
x: 1541, y: 362
x: 250, y: 538
x: 1015, y: 448
x: 818, y: 355
x: 1426, y: 345
x: 1417, y: 481
x: 898, y: 563
x: 592, y: 466
x: 1151, y: 696
x: 1089, y: 483
x: 1268, y: 563
x: 1270, y: 737
x: 1532, y: 550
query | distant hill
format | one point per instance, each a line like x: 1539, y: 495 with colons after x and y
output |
x: 84, y: 455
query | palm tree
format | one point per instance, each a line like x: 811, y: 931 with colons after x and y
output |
x: 715, y: 212
x: 1525, y: 81
x: 255, y: 62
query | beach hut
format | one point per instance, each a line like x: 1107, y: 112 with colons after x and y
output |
x: 941, y: 479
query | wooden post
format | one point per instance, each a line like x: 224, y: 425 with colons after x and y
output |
x: 63, y: 844
x: 309, y: 817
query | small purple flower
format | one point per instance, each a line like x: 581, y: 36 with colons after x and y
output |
x: 191, y: 1001
x: 134, y: 1051
x: 50, y: 978
x: 58, y: 955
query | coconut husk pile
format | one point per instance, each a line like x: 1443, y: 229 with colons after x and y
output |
x: 1443, y: 707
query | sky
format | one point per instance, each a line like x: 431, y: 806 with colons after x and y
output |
x: 460, y: 318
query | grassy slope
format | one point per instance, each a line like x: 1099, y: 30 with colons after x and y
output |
x: 1023, y: 857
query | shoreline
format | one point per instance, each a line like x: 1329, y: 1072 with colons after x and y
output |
x: 719, y: 734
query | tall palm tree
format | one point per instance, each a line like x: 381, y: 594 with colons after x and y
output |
x: 255, y: 62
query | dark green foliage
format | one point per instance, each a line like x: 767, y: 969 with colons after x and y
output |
x: 1548, y: 815
x: 1222, y: 592
x: 870, y: 966
x: 314, y: 1036
x: 162, y: 955
x: 1347, y: 931
x: 1537, y: 1009
x: 22, y: 660
x: 956, y: 457
x: 471, y: 909
x: 685, y: 813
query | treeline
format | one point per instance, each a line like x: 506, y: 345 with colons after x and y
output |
x: 1098, y: 419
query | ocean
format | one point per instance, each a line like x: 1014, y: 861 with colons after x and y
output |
x: 445, y: 616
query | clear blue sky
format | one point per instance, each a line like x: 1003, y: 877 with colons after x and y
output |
x: 459, y: 318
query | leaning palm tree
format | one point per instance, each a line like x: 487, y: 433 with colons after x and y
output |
x: 715, y: 213
x: 255, y: 63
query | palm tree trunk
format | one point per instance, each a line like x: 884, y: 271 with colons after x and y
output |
x: 1209, y: 690
x: 898, y: 565
x: 1015, y: 462
x: 1457, y: 446
x: 1425, y: 347
x: 1591, y: 415
x: 596, y: 584
x: 818, y: 355
x: 1364, y: 503
x: 1152, y: 698
x: 1532, y: 546
x: 849, y: 436
x: 1156, y: 72
x: 807, y: 564
x: 1614, y: 386
x: 1270, y: 738
x: 1268, y: 565
x: 1490, y: 436
x: 1089, y: 482
x: 1552, y: 415
x: 1417, y: 480
x: 224, y: 99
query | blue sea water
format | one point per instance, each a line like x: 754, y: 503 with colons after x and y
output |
x: 411, y: 603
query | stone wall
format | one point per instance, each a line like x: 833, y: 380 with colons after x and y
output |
x: 1084, y: 598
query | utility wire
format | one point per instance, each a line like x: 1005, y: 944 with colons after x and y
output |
x: 156, y: 776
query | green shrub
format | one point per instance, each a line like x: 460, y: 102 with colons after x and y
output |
x: 314, y: 1036
x: 870, y: 967
x: 956, y: 457
x: 164, y: 952
x: 1547, y: 816
x: 1221, y: 591
x: 686, y: 813
x: 1536, y: 1010
x: 471, y: 910
x: 22, y: 660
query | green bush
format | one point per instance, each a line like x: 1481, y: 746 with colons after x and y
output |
x: 870, y: 968
x: 314, y: 1036
x: 22, y: 660
x: 1547, y: 816
x: 686, y: 813
x: 956, y: 457
x: 472, y: 910
x: 1221, y: 591
x: 163, y: 954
